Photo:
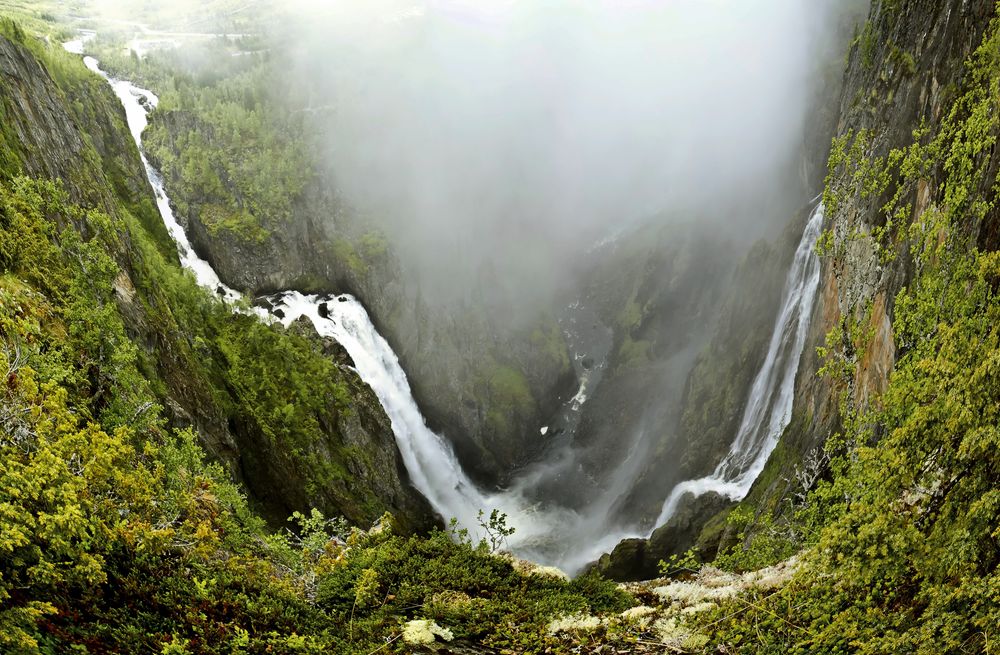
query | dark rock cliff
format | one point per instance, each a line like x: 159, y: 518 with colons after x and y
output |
x: 905, y: 68
x: 714, y: 392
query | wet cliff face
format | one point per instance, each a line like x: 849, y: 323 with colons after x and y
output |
x: 709, y: 407
x: 61, y: 122
x: 714, y: 393
x: 713, y: 397
x: 904, y: 70
x: 657, y: 289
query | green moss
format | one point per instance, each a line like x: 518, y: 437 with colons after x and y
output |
x: 867, y: 42
x: 373, y: 245
x: 904, y: 60
x: 510, y: 388
x: 548, y: 340
x: 343, y: 251
x: 631, y: 316
x: 711, y: 538
x: 239, y: 223
x: 10, y: 159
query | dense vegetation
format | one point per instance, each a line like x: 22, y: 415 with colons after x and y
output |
x: 233, y: 156
x: 117, y: 535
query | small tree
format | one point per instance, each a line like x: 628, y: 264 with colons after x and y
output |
x: 496, y: 529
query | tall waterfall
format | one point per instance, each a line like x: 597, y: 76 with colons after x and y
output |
x: 769, y: 406
x: 549, y: 533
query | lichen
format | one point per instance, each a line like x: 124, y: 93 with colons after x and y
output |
x: 575, y: 623
x: 424, y: 631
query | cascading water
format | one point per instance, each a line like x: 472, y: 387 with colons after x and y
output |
x: 549, y: 533
x: 429, y: 459
x: 769, y: 407
x: 135, y: 101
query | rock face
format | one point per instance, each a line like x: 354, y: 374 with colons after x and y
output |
x: 69, y: 126
x: 723, y: 364
x: 74, y: 132
x: 905, y: 67
x: 714, y: 393
x: 659, y: 290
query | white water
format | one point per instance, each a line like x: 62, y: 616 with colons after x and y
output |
x: 430, y: 460
x: 551, y: 534
x: 769, y: 407
x: 76, y: 45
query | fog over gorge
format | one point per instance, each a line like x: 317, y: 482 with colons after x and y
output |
x: 516, y: 134
x: 511, y: 151
x: 579, y: 233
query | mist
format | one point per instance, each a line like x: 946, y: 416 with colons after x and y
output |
x: 495, y: 143
x: 507, y: 137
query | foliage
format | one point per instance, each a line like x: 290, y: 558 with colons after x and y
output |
x: 231, y: 155
x: 679, y: 564
x: 766, y: 540
x: 386, y: 579
x: 495, y: 529
x: 117, y: 535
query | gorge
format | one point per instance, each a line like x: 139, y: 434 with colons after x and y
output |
x: 320, y: 339
x: 545, y: 532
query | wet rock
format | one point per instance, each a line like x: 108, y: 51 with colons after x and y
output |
x: 638, y: 559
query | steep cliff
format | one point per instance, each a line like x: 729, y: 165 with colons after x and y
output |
x: 709, y: 408
x: 906, y: 67
x: 904, y: 72
x: 293, y: 442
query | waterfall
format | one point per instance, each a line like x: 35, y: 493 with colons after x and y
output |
x: 135, y: 101
x: 550, y: 533
x: 769, y: 406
